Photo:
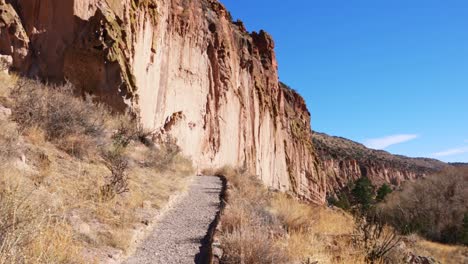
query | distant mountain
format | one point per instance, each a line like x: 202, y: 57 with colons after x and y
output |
x: 345, y: 160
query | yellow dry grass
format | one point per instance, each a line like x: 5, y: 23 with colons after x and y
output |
x: 302, y: 233
x: 299, y: 232
x: 56, y: 199
x: 449, y: 254
x: 294, y: 215
x: 6, y: 82
x: 334, y: 221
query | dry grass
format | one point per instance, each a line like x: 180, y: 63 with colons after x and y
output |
x: 31, y: 229
x: 448, y: 254
x: 63, y: 217
x: 280, y: 228
x: 252, y: 245
x: 76, y: 126
x: 8, y: 141
x: 7, y: 81
x: 294, y: 215
x: 294, y: 231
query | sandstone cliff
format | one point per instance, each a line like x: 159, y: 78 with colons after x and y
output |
x: 189, y: 72
x: 345, y: 161
x: 185, y: 68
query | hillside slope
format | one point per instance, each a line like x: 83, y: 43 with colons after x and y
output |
x: 345, y: 161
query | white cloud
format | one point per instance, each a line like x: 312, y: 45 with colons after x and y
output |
x: 451, y: 152
x: 385, y: 142
x: 466, y: 140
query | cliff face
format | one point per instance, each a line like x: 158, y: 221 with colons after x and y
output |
x: 189, y: 72
x: 345, y: 161
x: 185, y: 68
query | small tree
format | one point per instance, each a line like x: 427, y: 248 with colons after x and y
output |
x: 382, y: 192
x: 363, y: 192
x: 342, y: 202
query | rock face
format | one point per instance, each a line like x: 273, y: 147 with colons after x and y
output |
x: 188, y: 72
x: 185, y: 68
x: 345, y: 161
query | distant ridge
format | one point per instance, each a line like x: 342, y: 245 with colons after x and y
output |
x: 346, y: 160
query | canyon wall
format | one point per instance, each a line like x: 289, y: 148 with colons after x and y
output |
x: 189, y: 72
x: 185, y: 68
x: 345, y: 161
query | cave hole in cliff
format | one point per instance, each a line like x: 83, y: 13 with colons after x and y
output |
x: 363, y: 171
x: 212, y: 28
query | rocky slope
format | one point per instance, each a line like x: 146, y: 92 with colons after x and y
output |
x: 345, y: 161
x: 185, y: 68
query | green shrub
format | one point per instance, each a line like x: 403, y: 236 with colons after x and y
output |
x: 341, y: 201
x: 382, y: 192
x: 363, y: 193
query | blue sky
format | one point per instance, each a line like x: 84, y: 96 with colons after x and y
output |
x: 392, y: 74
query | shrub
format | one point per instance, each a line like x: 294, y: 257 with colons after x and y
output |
x: 382, y: 192
x: 58, y: 112
x: 162, y: 157
x: 341, y: 202
x: 376, y: 238
x: 434, y: 207
x: 118, y: 181
x: 129, y: 130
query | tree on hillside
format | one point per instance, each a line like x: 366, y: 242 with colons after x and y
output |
x: 363, y: 193
x: 382, y: 192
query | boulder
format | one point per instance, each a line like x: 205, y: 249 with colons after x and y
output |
x: 5, y: 113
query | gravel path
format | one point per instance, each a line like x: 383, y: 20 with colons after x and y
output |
x: 179, y: 235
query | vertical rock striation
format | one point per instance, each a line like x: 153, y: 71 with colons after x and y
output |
x: 189, y: 72
x: 185, y: 68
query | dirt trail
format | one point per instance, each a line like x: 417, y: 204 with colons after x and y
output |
x: 180, y: 234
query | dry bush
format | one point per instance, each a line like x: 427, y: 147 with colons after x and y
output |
x: 433, y: 207
x: 376, y: 238
x: 118, y: 181
x: 128, y: 130
x: 252, y: 245
x: 250, y: 232
x: 234, y: 216
x: 68, y: 121
x: 161, y: 158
